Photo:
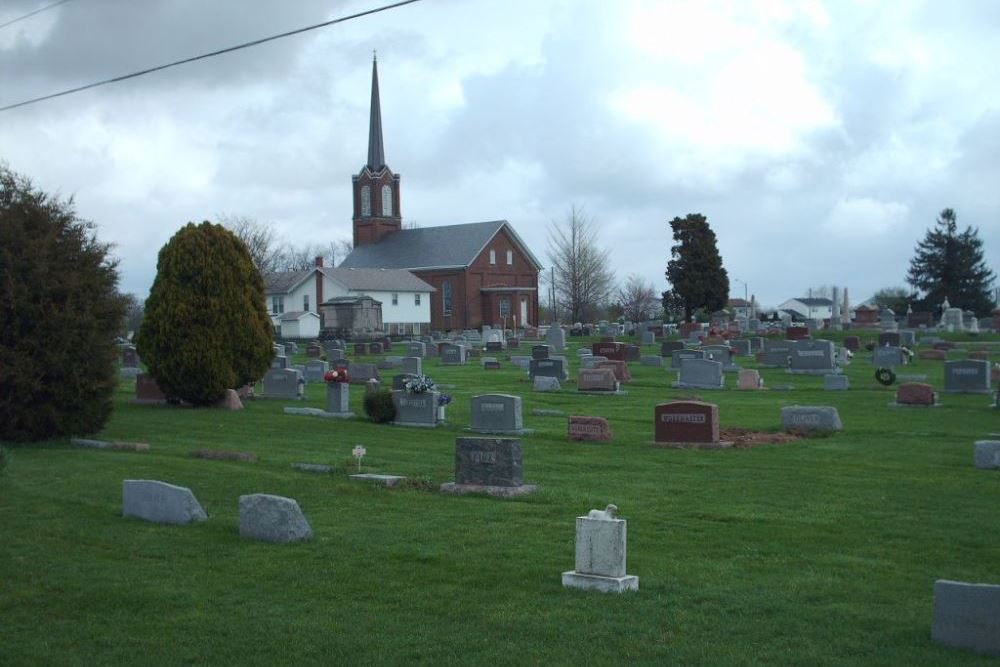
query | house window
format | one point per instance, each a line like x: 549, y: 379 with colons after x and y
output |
x: 505, y: 307
x: 366, y: 201
x: 493, y: 256
x: 416, y: 299
x: 446, y: 296
x: 510, y: 258
x: 386, y: 200
x: 395, y: 299
x: 277, y: 304
x: 305, y: 302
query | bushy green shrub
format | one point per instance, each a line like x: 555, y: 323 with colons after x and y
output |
x: 379, y: 406
x: 4, y: 460
x: 59, y: 313
x: 205, y: 328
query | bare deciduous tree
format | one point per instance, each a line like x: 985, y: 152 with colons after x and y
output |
x: 582, y: 277
x: 638, y: 299
x: 259, y: 238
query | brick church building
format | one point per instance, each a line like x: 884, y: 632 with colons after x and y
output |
x: 482, y: 272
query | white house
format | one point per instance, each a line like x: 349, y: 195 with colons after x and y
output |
x: 808, y: 308
x: 406, y: 299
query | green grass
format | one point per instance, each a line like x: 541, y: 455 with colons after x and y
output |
x: 819, y: 552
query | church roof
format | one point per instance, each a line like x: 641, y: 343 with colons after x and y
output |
x: 445, y: 247
x: 377, y: 280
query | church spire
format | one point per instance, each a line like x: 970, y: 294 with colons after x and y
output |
x: 376, y: 154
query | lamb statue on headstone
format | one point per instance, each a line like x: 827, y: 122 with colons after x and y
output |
x: 609, y: 513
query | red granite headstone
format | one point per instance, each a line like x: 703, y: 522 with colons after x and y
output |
x: 944, y: 345
x: 852, y: 343
x: 915, y: 393
x: 686, y: 421
x: 685, y: 329
x: 796, y: 333
x: 610, y: 350
x: 620, y: 369
x: 595, y: 429
x: 596, y: 379
x: 933, y: 355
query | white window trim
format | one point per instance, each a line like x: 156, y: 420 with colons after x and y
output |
x: 493, y: 256
x: 510, y: 258
x: 386, y: 200
x: 416, y: 299
x: 395, y: 299
x: 366, y: 201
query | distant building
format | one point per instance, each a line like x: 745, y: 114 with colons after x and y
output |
x: 808, y: 308
x: 481, y: 273
x: 742, y: 308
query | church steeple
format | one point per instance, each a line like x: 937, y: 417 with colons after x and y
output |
x: 376, y: 153
x: 376, y: 188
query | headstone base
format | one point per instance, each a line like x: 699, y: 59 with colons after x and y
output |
x: 602, y: 393
x: 487, y: 431
x: 499, y: 491
x: 913, y: 405
x: 384, y: 480
x: 812, y: 371
x: 313, y: 467
x: 417, y: 424
x: 316, y: 412
x: 689, y: 385
x: 593, y: 582
x: 723, y: 444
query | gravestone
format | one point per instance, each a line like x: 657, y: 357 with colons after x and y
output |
x: 776, y: 354
x: 749, y: 378
x: 619, y: 368
x: 279, y: 362
x: 600, y: 554
x: 700, y: 374
x: 653, y: 361
x: 541, y: 351
x: 491, y: 364
x: 375, y: 347
x: 315, y: 370
x: 416, y: 409
x: 590, y: 361
x: 610, y: 350
x: 282, y: 383
x: 147, y: 391
x: 338, y: 398
x: 335, y: 354
x: 669, y: 346
x: 497, y: 413
x: 556, y: 337
x: 632, y: 352
x: 678, y: 356
x: 967, y: 376
x: 648, y: 338
x: 908, y: 339
x: 412, y: 365
x: 932, y: 355
x: 362, y: 373
x: 543, y: 383
x: 722, y: 354
x: 916, y: 393
x: 494, y: 346
x: 812, y: 357
x: 554, y: 368
x: 889, y: 338
x: 852, y: 343
x: 986, y: 454
x: 159, y: 502
x: 820, y: 418
x: 967, y: 616
x: 129, y: 357
x: 742, y: 347
x: 583, y: 352
x: 521, y: 361
x: 360, y: 349
x: 416, y: 348
x: 313, y: 350
x: 272, y: 519
x: 597, y: 379
x: 589, y: 429
x: 452, y: 354
x: 687, y: 423
x: 488, y: 465
x: 796, y: 333
x: 836, y: 382
x: 887, y: 357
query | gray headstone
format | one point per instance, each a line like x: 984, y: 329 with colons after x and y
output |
x: 742, y: 347
x: 543, y: 383
x: 416, y: 409
x: 600, y: 554
x: 272, y: 519
x: 315, y: 370
x: 701, y: 374
x: 667, y: 347
x: 887, y: 356
x: 970, y: 376
x: 552, y: 367
x: 967, y: 616
x: 815, y: 357
x: 810, y: 418
x: 497, y: 413
x: 541, y: 351
x: 488, y: 461
x: 160, y: 502
x: 412, y: 365
x: 417, y: 348
x: 648, y: 338
x: 361, y: 372
x: 279, y: 361
x: 836, y: 382
x: 678, y: 356
x: 281, y: 383
x: 591, y: 361
x: 652, y: 360
x: 556, y: 337
x: 452, y: 354
x: 987, y: 454
x: 776, y: 353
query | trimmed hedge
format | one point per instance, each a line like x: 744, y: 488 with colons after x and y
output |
x: 379, y: 406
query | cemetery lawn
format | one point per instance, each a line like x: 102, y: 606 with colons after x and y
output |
x: 823, y: 551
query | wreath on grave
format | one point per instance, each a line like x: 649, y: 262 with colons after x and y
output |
x: 884, y: 376
x: 336, y: 376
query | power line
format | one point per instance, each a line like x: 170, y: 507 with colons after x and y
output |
x: 207, y: 55
x: 30, y: 14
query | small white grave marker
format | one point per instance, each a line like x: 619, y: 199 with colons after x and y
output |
x: 359, y: 452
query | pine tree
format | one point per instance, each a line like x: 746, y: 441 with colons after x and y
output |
x: 695, y: 270
x: 205, y: 328
x: 949, y: 264
x: 59, y: 313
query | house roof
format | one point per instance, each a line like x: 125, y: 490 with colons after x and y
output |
x: 448, y: 246
x: 377, y: 280
x: 284, y: 282
x: 295, y: 315
x: 814, y: 301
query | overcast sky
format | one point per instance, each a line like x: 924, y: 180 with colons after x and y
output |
x: 820, y: 139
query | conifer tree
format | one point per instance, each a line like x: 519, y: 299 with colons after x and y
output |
x: 695, y: 269
x: 949, y: 264
x: 206, y: 327
x: 59, y: 313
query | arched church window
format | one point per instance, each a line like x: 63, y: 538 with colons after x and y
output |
x: 386, y: 200
x: 366, y: 200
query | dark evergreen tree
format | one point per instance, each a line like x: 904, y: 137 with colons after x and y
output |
x: 205, y: 328
x: 59, y: 313
x: 949, y: 264
x: 695, y: 269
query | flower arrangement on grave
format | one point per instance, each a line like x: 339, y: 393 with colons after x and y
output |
x: 908, y: 353
x: 885, y: 376
x: 336, y: 376
x: 443, y: 400
x: 419, y: 384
